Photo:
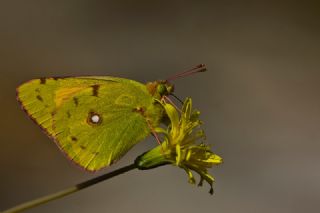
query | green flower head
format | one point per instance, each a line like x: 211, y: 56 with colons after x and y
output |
x: 182, y: 145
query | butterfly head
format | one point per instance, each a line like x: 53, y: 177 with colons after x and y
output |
x: 160, y: 88
x: 164, y: 88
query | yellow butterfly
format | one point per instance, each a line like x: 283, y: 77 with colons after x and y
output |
x: 95, y: 120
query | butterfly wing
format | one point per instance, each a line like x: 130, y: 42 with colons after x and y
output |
x: 93, y: 120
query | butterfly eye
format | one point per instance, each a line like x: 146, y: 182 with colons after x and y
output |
x: 94, y: 118
x: 161, y: 89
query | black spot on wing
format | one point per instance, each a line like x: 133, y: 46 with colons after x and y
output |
x: 73, y: 138
x: 95, y: 89
x: 68, y: 114
x: 76, y: 101
x: 82, y: 147
x: 39, y: 98
x: 43, y: 81
x: 53, y: 113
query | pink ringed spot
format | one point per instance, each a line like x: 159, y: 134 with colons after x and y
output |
x: 94, y: 118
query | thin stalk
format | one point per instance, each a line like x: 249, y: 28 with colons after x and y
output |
x: 65, y: 192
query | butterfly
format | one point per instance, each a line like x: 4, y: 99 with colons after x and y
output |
x: 95, y: 120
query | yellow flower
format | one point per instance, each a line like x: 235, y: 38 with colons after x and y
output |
x: 182, y: 145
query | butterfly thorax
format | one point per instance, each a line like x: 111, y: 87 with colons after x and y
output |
x: 160, y: 88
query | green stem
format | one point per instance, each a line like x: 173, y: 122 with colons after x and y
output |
x: 78, y: 187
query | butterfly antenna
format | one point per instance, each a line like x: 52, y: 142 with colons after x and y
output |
x: 176, y: 97
x: 196, y: 69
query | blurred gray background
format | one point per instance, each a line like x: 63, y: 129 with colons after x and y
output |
x: 259, y: 99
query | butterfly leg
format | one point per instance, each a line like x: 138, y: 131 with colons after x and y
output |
x: 168, y: 100
x: 176, y: 97
x: 154, y: 133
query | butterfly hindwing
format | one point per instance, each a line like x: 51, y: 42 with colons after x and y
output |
x: 66, y: 108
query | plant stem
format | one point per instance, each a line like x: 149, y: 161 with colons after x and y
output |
x: 78, y: 187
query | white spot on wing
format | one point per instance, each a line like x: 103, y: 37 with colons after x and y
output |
x: 95, y: 119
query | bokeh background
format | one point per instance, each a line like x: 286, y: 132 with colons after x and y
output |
x: 259, y: 99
